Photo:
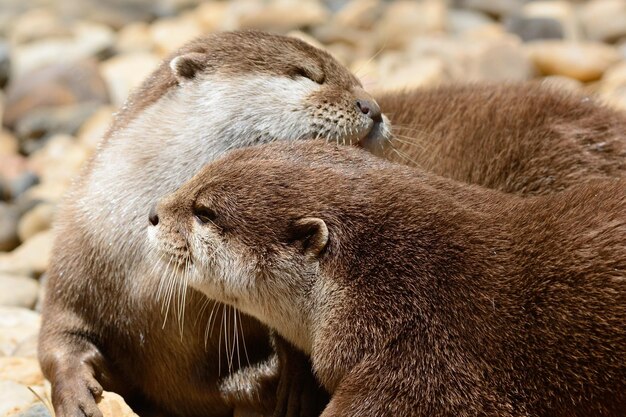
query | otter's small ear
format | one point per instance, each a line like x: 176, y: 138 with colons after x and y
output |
x: 312, y: 233
x: 186, y: 66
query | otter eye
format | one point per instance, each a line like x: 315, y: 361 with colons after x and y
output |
x: 204, y: 215
x: 301, y: 72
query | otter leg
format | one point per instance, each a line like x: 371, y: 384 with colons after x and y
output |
x: 299, y: 393
x: 73, y: 365
x: 282, y: 386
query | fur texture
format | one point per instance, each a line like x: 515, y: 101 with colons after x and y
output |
x: 430, y: 297
x: 522, y: 138
x: 102, y: 323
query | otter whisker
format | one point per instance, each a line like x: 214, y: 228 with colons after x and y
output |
x: 243, y: 339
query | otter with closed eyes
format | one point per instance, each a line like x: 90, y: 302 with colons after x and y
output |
x: 414, y: 295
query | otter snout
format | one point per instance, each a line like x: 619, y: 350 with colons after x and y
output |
x: 367, y: 105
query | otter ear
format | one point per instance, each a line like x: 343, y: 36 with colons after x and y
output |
x: 312, y: 234
x: 186, y: 66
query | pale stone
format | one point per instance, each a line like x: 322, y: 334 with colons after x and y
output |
x: 604, y: 20
x: 92, y: 131
x: 584, y: 61
x: 18, y: 291
x: 282, y: 15
x: 125, y: 72
x: 426, y: 71
x: 494, y: 7
x: 112, y: 405
x: 614, y: 78
x: 460, y: 21
x: 37, y: 24
x: 88, y: 40
x: 8, y: 143
x: 405, y: 19
x: 59, y: 160
x: 36, y: 410
x: 27, y: 348
x: 212, y: 15
x: 170, y: 34
x: 14, y: 398
x: 31, y: 257
x: 562, y: 83
x: 24, y: 371
x: 500, y: 61
x: 16, y: 325
x: 561, y: 11
x: 34, y: 221
x: 135, y: 37
x: 360, y: 14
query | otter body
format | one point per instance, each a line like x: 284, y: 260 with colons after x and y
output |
x: 413, y: 294
x: 103, y: 324
x: 520, y: 138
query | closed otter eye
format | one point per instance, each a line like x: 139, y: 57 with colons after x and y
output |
x: 317, y: 77
x: 204, y: 214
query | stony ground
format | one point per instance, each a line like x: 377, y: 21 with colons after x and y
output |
x: 65, y: 67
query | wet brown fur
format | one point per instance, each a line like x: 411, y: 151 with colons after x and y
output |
x: 432, y: 297
x: 523, y: 138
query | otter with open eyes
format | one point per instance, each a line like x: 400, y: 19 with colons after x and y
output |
x: 414, y: 295
x: 102, y: 325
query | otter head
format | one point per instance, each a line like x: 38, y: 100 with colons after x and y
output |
x: 260, y: 229
x: 241, y: 88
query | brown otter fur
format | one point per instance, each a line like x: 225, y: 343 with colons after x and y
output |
x: 415, y: 295
x: 523, y: 138
x: 102, y: 325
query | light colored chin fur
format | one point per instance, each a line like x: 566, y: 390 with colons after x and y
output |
x: 167, y: 143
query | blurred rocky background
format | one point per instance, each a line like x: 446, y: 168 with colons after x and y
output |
x: 66, y: 66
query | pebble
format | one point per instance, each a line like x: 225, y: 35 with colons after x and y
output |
x: 24, y: 371
x: 59, y: 160
x: 459, y: 21
x: 30, y: 258
x: 36, y: 410
x: 135, y: 37
x: 37, y: 24
x: 604, y: 20
x: 404, y: 20
x: 8, y: 143
x: 5, y: 63
x: 16, y: 325
x: 14, y: 398
x: 281, y: 15
x: 126, y: 71
x: 499, y: 8
x: 583, y: 61
x: 561, y: 12
x: 9, y: 217
x: 36, y: 220
x: 563, y: 83
x: 88, y: 40
x: 170, y: 34
x: 358, y: 14
x: 112, y: 405
x: 54, y: 99
x: 18, y: 291
x: 533, y: 28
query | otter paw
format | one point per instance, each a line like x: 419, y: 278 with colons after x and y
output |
x: 77, y: 398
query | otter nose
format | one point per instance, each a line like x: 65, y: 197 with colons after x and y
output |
x: 153, y: 216
x: 370, y: 108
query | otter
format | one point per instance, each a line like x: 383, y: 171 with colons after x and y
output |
x: 521, y: 138
x: 414, y: 295
x: 102, y: 325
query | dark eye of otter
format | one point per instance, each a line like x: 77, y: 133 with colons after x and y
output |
x: 302, y: 72
x: 204, y: 215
